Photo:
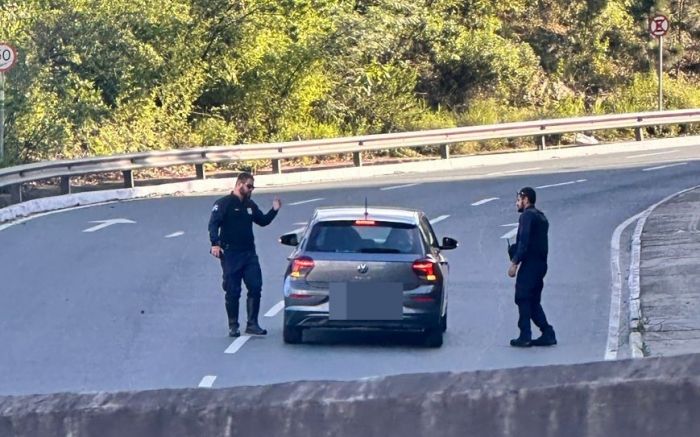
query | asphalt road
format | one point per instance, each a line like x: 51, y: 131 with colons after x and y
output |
x: 139, y: 305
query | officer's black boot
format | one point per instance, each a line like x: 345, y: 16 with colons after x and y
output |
x: 525, y: 337
x: 548, y: 338
x: 232, y: 313
x: 252, y: 327
x: 520, y: 342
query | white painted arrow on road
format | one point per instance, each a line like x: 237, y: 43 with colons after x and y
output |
x: 104, y: 223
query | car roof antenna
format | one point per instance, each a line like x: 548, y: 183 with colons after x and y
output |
x: 366, y: 213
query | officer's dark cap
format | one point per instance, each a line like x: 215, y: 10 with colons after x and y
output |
x: 528, y: 192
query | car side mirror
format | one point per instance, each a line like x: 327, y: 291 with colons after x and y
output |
x: 289, y: 239
x: 449, y: 243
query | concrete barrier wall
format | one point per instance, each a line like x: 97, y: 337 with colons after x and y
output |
x: 649, y: 397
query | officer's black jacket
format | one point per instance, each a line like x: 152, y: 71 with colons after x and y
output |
x: 531, y: 243
x: 231, y: 223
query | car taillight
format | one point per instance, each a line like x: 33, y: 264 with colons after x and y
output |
x: 301, y: 266
x: 425, y: 268
x: 423, y: 298
x: 365, y: 223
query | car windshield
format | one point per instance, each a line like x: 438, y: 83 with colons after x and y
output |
x: 364, y: 236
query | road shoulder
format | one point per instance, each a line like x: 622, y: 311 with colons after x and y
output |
x: 670, y: 277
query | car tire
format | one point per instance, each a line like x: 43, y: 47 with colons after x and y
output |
x: 433, y: 338
x: 292, y: 335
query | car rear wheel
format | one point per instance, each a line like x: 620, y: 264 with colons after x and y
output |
x: 433, y: 338
x: 292, y: 335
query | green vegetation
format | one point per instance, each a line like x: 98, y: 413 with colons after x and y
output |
x: 99, y: 77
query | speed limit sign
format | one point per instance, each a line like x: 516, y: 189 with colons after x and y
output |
x: 8, y: 57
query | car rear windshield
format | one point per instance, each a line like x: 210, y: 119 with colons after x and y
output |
x: 358, y: 236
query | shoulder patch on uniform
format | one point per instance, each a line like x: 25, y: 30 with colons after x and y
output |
x: 215, y: 208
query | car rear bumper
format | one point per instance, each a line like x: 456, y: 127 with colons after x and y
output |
x: 412, y: 320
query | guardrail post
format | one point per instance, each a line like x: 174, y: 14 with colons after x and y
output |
x: 542, y: 143
x: 16, y: 193
x: 357, y: 159
x: 445, y: 151
x: 638, y: 134
x: 128, y: 178
x: 65, y: 184
x: 199, y: 168
x: 276, y: 166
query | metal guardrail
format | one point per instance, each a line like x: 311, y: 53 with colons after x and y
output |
x: 14, y: 177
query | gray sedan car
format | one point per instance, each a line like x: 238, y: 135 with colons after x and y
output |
x: 367, y: 268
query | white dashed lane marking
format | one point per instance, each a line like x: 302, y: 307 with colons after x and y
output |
x: 175, y: 234
x: 650, y: 154
x: 207, y: 381
x: 482, y: 201
x: 510, y: 234
x: 513, y: 171
x: 561, y: 184
x: 664, y: 166
x: 396, y: 187
x: 438, y: 219
x: 296, y: 231
x: 301, y: 202
x: 272, y: 312
x: 107, y: 223
x: 237, y: 344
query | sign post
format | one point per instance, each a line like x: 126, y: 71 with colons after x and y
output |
x: 8, y: 57
x: 658, y: 26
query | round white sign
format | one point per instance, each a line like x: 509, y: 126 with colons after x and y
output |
x: 8, y: 56
x: 658, y: 25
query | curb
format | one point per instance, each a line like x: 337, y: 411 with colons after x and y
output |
x: 636, y: 340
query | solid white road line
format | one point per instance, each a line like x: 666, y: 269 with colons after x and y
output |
x: 301, y: 202
x: 482, y: 201
x: 207, y: 381
x: 272, y: 312
x: 509, y: 225
x: 650, y: 154
x: 635, y: 309
x: 613, y: 343
x: 237, y: 344
x: 562, y: 184
x: 522, y: 170
x: 175, y: 234
x: 438, y: 219
x: 510, y: 234
x: 396, y: 187
x: 664, y: 166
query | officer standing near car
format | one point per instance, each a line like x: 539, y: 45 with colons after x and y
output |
x: 232, y: 241
x: 529, y: 261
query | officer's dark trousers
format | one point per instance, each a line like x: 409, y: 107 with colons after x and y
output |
x: 237, y: 267
x: 528, y: 293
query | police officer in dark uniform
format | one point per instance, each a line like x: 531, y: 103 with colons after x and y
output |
x: 529, y: 260
x: 231, y: 235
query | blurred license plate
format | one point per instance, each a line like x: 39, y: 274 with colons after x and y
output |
x: 366, y: 301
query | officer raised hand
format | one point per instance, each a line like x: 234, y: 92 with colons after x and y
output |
x: 232, y: 241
